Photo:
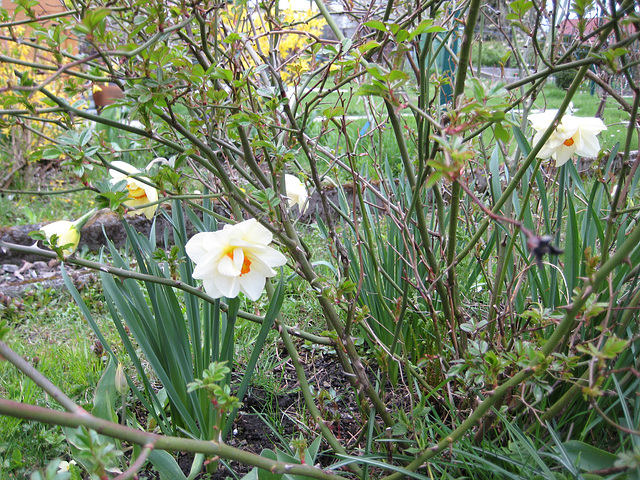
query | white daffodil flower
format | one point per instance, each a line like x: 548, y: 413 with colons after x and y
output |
x: 67, y: 234
x: 235, y: 259
x: 140, y: 193
x: 573, y: 136
x: 296, y: 192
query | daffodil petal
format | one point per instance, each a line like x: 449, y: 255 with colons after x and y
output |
x: 255, y: 233
x: 594, y: 124
x: 242, y: 243
x: 272, y: 257
x: 296, y: 192
x: 228, y: 286
x: 568, y: 127
x: 540, y: 121
x: 202, y: 269
x: 227, y: 267
x: 563, y: 155
x: 200, y: 246
x: 211, y: 288
x: 589, y: 146
x: 252, y: 284
x: 124, y: 166
x: 257, y: 265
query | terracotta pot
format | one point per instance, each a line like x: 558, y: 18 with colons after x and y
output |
x: 108, y: 93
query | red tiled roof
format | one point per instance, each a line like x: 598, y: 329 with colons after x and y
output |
x: 569, y: 27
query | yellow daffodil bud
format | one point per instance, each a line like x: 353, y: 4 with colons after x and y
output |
x: 67, y: 234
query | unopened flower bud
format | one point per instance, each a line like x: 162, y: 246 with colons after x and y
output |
x: 66, y: 233
x: 122, y: 386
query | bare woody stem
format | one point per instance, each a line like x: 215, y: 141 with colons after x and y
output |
x: 158, y: 442
x: 498, y: 218
x: 461, y: 76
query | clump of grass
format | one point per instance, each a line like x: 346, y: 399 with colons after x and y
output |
x: 49, y: 331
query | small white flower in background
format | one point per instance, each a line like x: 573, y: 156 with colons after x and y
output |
x: 235, y: 259
x: 296, y: 192
x: 63, y: 466
x: 139, y: 192
x: 573, y: 136
x: 159, y: 161
x: 67, y: 234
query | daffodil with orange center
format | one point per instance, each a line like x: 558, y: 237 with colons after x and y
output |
x: 572, y: 136
x: 141, y: 194
x: 236, y: 259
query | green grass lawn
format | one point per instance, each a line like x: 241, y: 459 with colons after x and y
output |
x: 27, y: 208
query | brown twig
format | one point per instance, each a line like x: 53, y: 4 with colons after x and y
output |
x: 137, y: 464
x: 498, y: 218
x: 612, y: 422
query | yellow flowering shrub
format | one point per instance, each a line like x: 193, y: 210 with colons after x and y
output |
x: 290, y: 36
x: 293, y: 47
x: 21, y: 135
